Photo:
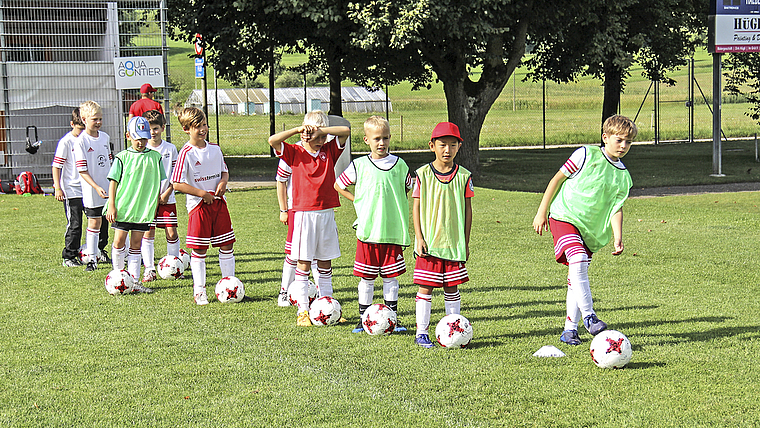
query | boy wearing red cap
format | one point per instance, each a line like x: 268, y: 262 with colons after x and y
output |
x: 442, y: 215
x: 146, y: 103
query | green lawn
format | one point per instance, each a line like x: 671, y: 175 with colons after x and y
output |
x: 76, y: 356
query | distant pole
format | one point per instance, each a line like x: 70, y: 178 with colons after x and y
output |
x: 216, y: 105
x: 272, y: 129
x: 717, y: 144
x: 690, y: 104
x: 204, y: 87
x: 543, y: 97
x: 387, y: 103
x: 305, y: 100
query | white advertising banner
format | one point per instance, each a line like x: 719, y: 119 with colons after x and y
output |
x: 133, y: 72
x: 734, y: 26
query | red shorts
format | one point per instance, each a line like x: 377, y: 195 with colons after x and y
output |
x: 386, y: 260
x: 567, y: 240
x: 166, y: 215
x: 209, y: 225
x: 434, y: 272
x: 289, y: 238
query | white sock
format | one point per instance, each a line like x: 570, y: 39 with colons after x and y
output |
x: 578, y: 283
x: 133, y: 263
x: 452, y: 302
x: 423, y: 304
x: 198, y: 266
x: 91, y: 244
x: 366, y: 291
x: 300, y: 290
x: 315, y: 273
x: 118, y: 257
x: 288, y: 274
x: 148, y: 251
x: 325, y: 282
x: 227, y: 262
x: 390, y: 289
x: 172, y: 247
x: 573, y: 313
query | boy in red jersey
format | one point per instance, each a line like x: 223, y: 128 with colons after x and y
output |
x: 315, y: 234
x: 202, y: 175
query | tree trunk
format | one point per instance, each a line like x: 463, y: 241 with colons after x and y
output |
x: 613, y: 77
x: 335, y: 75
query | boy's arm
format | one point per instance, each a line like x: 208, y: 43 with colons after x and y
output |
x: 541, y: 220
x: 346, y: 194
x: 221, y: 187
x: 88, y: 178
x: 420, y: 246
x: 59, y: 196
x: 617, y: 232
x: 187, y: 189
x: 277, y: 139
x: 164, y: 197
x: 282, y: 201
x: 111, y: 212
x: 467, y: 223
x: 342, y: 132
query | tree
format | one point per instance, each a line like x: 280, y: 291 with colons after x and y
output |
x: 742, y: 72
x: 603, y: 39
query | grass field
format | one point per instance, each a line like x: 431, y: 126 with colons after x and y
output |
x: 684, y: 292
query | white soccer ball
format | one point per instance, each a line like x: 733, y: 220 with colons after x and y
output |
x: 84, y: 258
x: 453, y: 331
x: 379, y: 320
x: 313, y: 292
x: 185, y: 257
x: 325, y: 311
x: 610, y: 349
x: 170, y: 267
x: 229, y: 290
x: 119, y: 282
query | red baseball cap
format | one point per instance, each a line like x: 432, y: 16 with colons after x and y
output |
x: 144, y: 89
x: 445, y: 129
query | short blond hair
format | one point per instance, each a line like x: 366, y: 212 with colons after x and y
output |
x: 376, y: 122
x: 191, y: 117
x: 315, y: 118
x: 89, y: 109
x: 620, y: 125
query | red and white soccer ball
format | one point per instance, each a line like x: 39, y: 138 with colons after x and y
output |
x: 170, y: 267
x: 379, y: 320
x: 119, y: 282
x: 610, y: 349
x: 325, y: 311
x: 84, y: 258
x: 185, y: 257
x: 229, y: 290
x: 313, y: 292
x: 453, y: 331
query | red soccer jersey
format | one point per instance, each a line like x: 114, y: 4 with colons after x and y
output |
x: 313, y: 175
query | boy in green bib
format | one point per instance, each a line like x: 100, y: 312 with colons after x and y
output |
x: 382, y: 216
x: 583, y: 208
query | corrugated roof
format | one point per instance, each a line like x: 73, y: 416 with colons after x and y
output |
x: 287, y: 95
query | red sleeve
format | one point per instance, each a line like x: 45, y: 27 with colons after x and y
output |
x: 469, y: 189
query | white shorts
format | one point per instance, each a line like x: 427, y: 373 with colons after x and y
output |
x: 315, y: 236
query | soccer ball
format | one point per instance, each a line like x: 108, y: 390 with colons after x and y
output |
x: 85, y: 258
x: 325, y: 311
x: 453, y: 331
x: 185, y: 257
x: 170, y: 267
x: 610, y: 349
x: 313, y: 291
x: 229, y: 290
x: 379, y: 320
x: 119, y: 282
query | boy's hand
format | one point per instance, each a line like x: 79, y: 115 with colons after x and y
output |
x: 618, y: 248
x: 221, y: 189
x: 163, y: 199
x: 208, y: 198
x: 102, y: 192
x: 420, y: 247
x: 540, y: 223
x: 111, y: 214
x: 59, y: 196
x: 284, y: 218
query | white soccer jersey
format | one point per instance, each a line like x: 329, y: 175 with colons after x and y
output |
x: 284, y: 171
x: 64, y: 160
x: 200, y: 168
x: 169, y: 156
x: 94, y: 156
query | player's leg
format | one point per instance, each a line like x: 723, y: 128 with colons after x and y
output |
x: 326, y: 248
x: 573, y: 316
x: 72, y: 240
x: 393, y: 266
x: 223, y: 236
x: 451, y: 300
x: 366, y: 267
x: 133, y: 260
x: 94, y: 222
x: 580, y: 287
x: 119, y: 248
x: 423, y: 305
x: 288, y: 265
x: 198, y: 239
x: 148, y: 251
x: 198, y: 267
x: 166, y: 218
x: 102, y: 252
x: 299, y: 289
x: 227, y: 260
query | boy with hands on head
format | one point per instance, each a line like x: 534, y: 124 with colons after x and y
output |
x: 382, y: 210
x: 583, y: 208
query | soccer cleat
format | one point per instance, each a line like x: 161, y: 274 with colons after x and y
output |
x: 72, y: 262
x: 201, y: 298
x: 91, y: 266
x: 149, y: 275
x: 359, y: 328
x: 103, y: 257
x: 399, y: 328
x: 303, y: 319
x: 594, y: 325
x: 139, y: 288
x: 570, y: 337
x: 424, y: 341
x: 282, y: 300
